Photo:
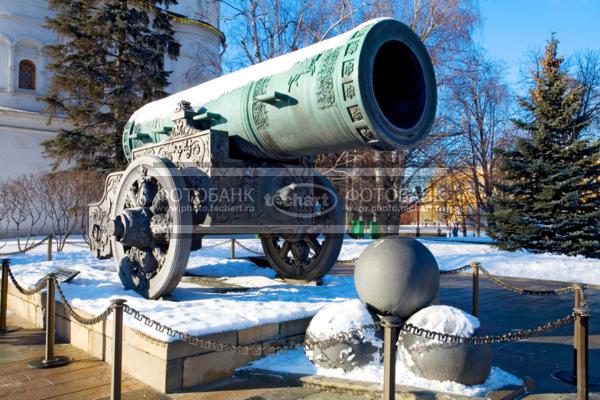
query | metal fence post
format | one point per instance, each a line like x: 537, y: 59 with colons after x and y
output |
x: 118, y: 306
x: 578, y: 303
x: 475, y: 268
x: 50, y: 360
x: 232, y: 249
x: 4, y: 299
x: 391, y: 326
x: 50, y: 237
x: 581, y: 323
x: 566, y: 375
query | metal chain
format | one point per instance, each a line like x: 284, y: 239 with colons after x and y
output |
x: 25, y: 250
x: 455, y: 270
x: 351, y: 261
x: 340, y: 337
x: 526, y: 292
x: 87, y: 246
x: 257, y: 349
x: 262, y: 349
x: 27, y: 292
x: 248, y: 249
x: 82, y: 320
x: 217, y: 245
x: 504, y: 338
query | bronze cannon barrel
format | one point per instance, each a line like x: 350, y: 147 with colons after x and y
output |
x: 373, y: 86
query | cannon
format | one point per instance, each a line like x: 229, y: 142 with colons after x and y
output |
x: 236, y: 155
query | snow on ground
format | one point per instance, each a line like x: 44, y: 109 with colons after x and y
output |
x: 198, y: 310
x: 296, y: 362
x: 520, y: 264
x: 194, y: 309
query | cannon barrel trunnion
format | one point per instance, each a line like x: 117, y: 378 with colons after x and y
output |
x: 234, y: 155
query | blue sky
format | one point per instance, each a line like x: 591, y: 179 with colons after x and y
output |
x: 510, y: 28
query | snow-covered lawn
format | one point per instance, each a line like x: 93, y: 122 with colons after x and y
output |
x: 521, y: 264
x: 200, y: 311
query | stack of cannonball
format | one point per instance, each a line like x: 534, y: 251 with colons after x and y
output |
x: 400, y: 277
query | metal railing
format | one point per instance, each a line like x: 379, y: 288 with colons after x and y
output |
x: 392, y: 326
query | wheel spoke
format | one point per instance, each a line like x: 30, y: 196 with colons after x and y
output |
x: 148, y: 192
x: 285, y: 248
x: 314, y: 244
x: 132, y: 197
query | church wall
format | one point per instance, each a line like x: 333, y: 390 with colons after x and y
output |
x: 23, y: 126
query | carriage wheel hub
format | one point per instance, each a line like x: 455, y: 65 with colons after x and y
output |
x: 131, y: 227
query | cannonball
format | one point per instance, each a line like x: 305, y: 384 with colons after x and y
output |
x: 359, y: 349
x: 468, y: 364
x: 397, y: 276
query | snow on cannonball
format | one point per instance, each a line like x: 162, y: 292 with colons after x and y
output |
x: 359, y: 349
x: 397, y: 276
x: 468, y: 364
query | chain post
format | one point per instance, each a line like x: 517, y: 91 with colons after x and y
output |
x: 391, y: 327
x: 50, y: 237
x: 578, y: 303
x: 4, y: 299
x: 118, y: 306
x: 233, y: 249
x: 566, y: 375
x: 582, y: 315
x: 475, y: 268
x: 50, y: 360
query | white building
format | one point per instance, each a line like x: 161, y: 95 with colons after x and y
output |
x: 24, y: 77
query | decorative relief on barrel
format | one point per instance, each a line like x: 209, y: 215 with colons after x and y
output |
x: 308, y: 67
x: 325, y: 92
x: 361, y: 31
x: 349, y: 91
x: 347, y: 68
x: 351, y: 48
x: 355, y: 113
x: 366, y: 134
x: 259, y: 109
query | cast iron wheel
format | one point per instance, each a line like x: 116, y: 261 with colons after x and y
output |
x: 308, y: 256
x: 151, y: 226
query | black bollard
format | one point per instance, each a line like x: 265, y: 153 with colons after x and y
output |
x: 50, y: 360
x: 391, y: 326
x: 475, y: 268
x: 582, y: 315
x: 4, y: 300
x: 118, y: 305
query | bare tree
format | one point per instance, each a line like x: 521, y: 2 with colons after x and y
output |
x: 22, y: 207
x: 480, y: 110
x: 263, y: 29
x: 587, y: 73
x: 65, y: 197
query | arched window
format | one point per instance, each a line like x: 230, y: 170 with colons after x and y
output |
x: 26, y: 75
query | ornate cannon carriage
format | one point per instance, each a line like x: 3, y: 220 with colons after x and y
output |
x: 235, y: 155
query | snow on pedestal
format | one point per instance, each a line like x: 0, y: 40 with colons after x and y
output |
x: 362, y: 348
x: 432, y: 359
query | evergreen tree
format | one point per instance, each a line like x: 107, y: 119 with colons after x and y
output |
x: 109, y: 61
x: 549, y: 199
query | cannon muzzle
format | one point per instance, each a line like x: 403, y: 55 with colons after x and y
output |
x: 373, y: 86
